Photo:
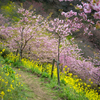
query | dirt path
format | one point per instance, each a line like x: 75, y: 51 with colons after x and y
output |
x: 36, y: 90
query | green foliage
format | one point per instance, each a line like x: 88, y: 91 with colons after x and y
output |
x: 63, y: 82
x: 2, y: 60
x: 8, y: 69
x: 7, y: 61
x: 10, y: 11
x: 4, y: 54
x: 69, y: 37
x: 9, y: 85
x: 45, y: 67
x: 36, y: 70
x: 16, y: 64
x: 44, y: 74
x: 32, y: 69
x: 60, y: 46
x: 14, y: 61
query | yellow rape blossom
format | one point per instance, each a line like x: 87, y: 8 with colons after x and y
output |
x: 2, y: 80
x: 19, y: 75
x: 2, y: 94
x: 6, y: 82
x: 7, y: 74
x: 19, y: 83
x: 65, y: 66
x: 8, y: 90
x: 3, y: 50
x: 12, y: 81
x: 11, y: 87
x: 89, y: 79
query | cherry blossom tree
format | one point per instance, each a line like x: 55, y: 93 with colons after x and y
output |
x: 19, y: 35
x: 62, y: 28
x: 29, y: 38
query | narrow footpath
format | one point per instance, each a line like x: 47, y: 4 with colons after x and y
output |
x: 36, y: 90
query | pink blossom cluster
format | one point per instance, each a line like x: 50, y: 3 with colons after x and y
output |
x: 97, y: 15
x: 95, y: 4
x: 64, y: 28
x: 3, y: 20
x: 70, y: 56
x: 88, y: 7
x: 85, y: 70
x: 21, y: 10
x: 1, y: 16
x: 45, y: 51
x: 69, y: 14
x: 78, y: 6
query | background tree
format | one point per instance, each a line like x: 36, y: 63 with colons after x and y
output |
x: 20, y: 34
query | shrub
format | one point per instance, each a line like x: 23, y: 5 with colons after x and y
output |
x: 10, y: 86
x: 8, y: 69
x: 10, y: 11
x: 4, y: 51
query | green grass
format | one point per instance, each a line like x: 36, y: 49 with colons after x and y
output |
x: 10, y: 86
x: 63, y: 91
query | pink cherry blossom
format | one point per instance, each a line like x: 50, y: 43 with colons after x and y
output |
x: 86, y: 8
x: 97, y: 15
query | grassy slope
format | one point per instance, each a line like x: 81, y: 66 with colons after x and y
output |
x: 33, y: 86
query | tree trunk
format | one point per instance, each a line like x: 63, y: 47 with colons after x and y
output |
x: 58, y: 46
x: 17, y: 52
x: 20, y: 52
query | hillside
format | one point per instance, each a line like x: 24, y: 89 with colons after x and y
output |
x: 28, y: 43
